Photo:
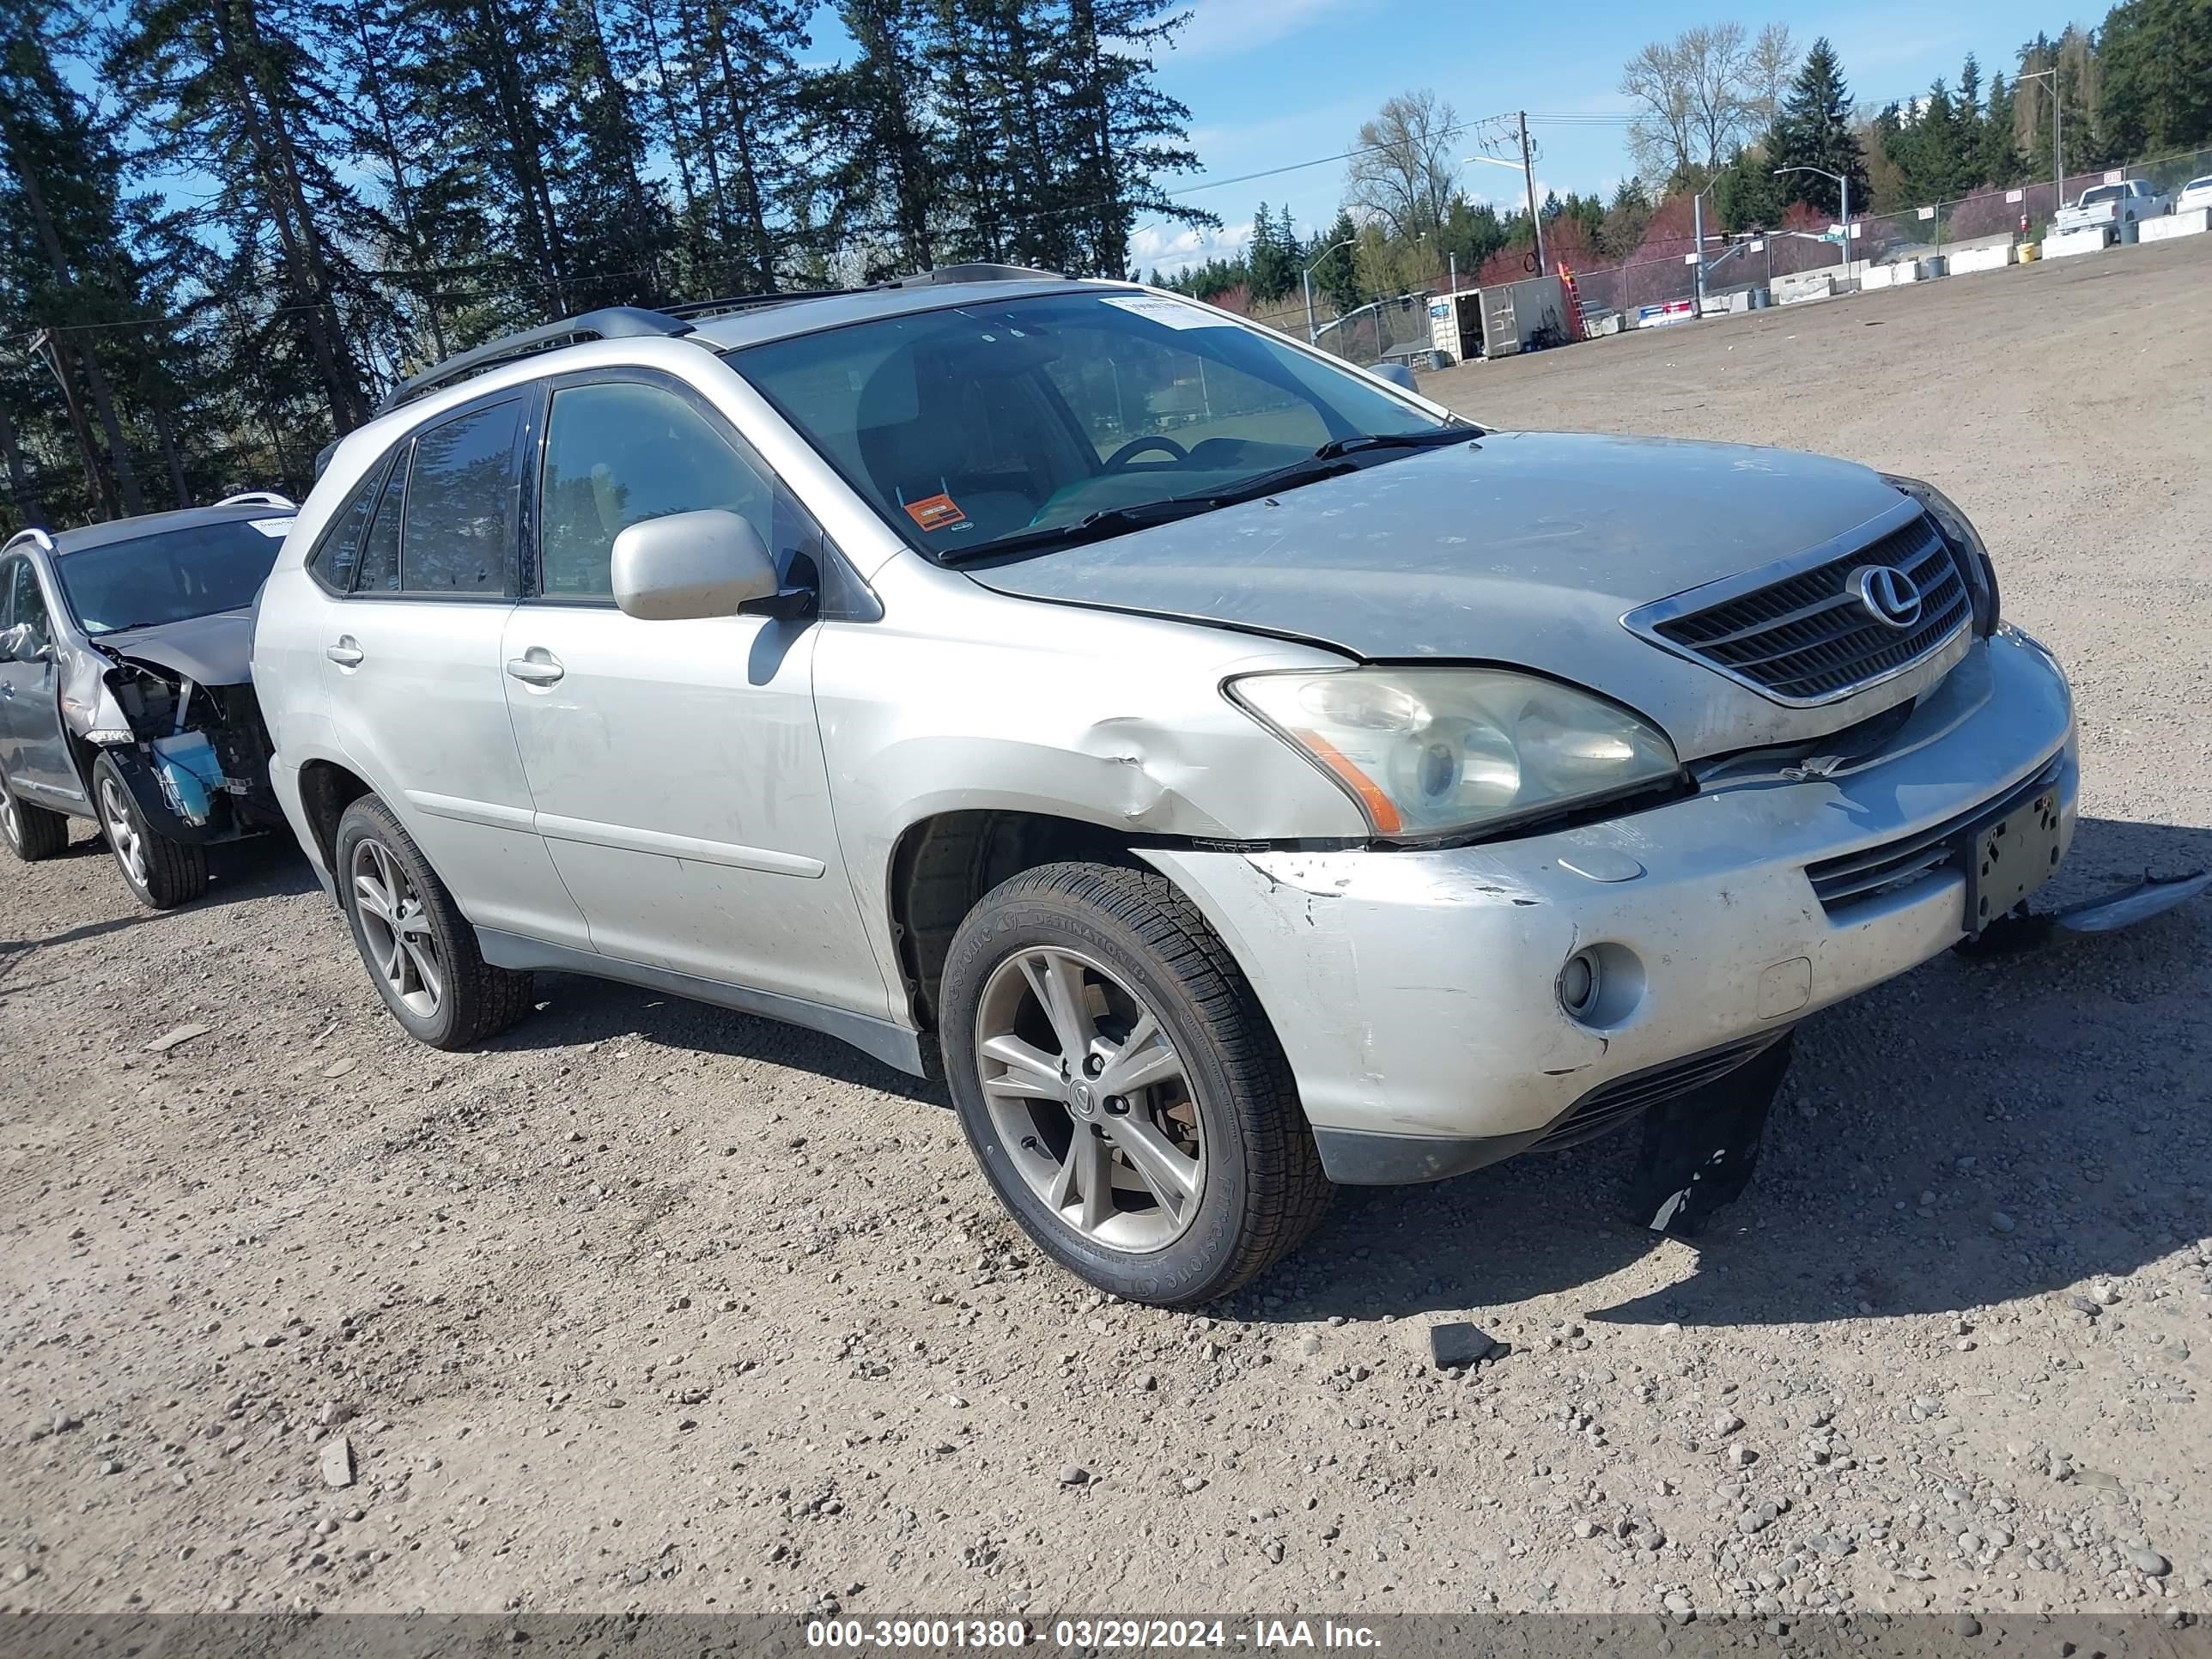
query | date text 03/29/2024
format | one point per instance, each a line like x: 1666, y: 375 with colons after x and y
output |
x: 1090, y: 1635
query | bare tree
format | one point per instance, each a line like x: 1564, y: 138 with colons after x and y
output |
x: 1699, y: 95
x: 1768, y: 71
x: 1403, y: 175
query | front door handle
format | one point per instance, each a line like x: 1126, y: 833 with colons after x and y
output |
x: 536, y: 666
x: 345, y: 653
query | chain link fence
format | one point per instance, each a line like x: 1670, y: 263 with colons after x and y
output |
x: 1667, y: 275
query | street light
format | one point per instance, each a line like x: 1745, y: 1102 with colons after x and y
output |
x: 1305, y: 281
x: 1526, y: 168
x: 1843, y: 185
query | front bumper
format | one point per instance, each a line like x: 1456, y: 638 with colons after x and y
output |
x: 1416, y: 994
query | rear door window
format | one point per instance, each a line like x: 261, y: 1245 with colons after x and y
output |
x: 459, y: 530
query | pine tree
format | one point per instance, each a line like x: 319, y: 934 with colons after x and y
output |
x: 1272, y: 262
x: 230, y: 91
x: 2155, y: 58
x: 1999, y: 163
x: 1814, y: 130
x: 1121, y: 130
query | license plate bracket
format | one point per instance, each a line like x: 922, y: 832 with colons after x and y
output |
x: 2009, y: 856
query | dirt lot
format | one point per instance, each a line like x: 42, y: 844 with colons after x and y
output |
x: 652, y: 1306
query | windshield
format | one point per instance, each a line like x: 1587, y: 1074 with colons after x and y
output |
x: 196, y: 571
x: 968, y: 427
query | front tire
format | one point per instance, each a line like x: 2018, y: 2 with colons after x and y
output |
x: 1121, y: 1088
x: 419, y: 949
x: 31, y: 832
x: 159, y: 873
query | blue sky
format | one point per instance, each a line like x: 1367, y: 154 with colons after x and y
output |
x: 1274, y: 82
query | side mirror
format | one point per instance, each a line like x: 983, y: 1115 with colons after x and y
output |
x: 1397, y: 373
x: 689, y: 565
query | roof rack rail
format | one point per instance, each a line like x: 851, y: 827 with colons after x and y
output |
x: 36, y: 537
x: 978, y: 271
x: 746, y: 302
x: 608, y: 323
x: 259, y: 498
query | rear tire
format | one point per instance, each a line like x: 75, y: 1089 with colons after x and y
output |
x: 31, y: 832
x: 1196, y: 1178
x: 420, y: 951
x: 161, y: 874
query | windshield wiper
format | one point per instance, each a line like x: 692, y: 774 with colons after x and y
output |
x: 1332, y: 459
x: 1095, y: 526
x: 1434, y: 437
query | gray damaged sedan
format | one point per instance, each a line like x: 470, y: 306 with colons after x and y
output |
x: 1238, y: 774
x: 126, y: 690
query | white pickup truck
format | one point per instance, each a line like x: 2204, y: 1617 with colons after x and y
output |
x: 2116, y: 206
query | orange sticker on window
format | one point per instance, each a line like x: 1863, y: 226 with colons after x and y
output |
x: 936, y: 513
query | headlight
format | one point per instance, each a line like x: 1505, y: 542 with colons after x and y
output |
x: 1981, y: 573
x: 1438, y: 751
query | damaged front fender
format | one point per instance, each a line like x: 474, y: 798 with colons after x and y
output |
x: 196, y: 756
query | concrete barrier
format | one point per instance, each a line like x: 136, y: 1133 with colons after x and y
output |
x: 1968, y: 260
x: 2065, y: 244
x: 2194, y: 222
x: 1790, y: 290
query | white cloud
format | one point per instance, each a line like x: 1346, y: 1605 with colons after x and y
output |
x: 1224, y: 29
x: 1174, y: 249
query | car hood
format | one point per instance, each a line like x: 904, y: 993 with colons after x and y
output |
x: 215, y: 650
x: 1520, y: 548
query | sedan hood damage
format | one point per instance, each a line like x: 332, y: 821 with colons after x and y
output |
x: 1524, y: 548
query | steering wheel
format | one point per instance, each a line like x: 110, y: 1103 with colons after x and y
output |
x: 1136, y: 446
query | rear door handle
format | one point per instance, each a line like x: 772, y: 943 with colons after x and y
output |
x: 536, y: 666
x: 345, y: 653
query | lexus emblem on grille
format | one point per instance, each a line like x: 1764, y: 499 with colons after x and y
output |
x: 1891, y: 597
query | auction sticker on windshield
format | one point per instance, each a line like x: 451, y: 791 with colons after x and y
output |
x: 939, y: 512
x: 1174, y: 313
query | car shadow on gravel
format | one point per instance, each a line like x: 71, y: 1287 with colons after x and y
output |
x: 2048, y: 1103
x: 574, y: 1009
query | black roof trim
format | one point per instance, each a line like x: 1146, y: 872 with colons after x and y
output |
x: 608, y: 323
x: 636, y: 322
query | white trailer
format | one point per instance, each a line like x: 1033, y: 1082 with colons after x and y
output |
x: 1499, y: 320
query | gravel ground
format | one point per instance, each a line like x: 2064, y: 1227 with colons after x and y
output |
x: 650, y: 1306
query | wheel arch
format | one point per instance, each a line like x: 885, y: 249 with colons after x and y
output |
x: 326, y: 789
x: 943, y: 864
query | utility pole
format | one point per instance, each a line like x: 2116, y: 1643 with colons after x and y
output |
x: 2057, y: 134
x: 1529, y: 177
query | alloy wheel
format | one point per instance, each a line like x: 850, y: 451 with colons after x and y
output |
x: 11, y: 823
x: 123, y: 835
x: 1089, y: 1099
x: 395, y: 926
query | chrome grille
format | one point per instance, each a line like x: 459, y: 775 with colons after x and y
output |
x: 1807, y: 638
x: 1855, y: 877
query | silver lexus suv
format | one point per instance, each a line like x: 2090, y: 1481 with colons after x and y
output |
x: 1238, y: 774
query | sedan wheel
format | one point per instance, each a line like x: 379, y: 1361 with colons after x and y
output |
x: 395, y: 930
x: 162, y: 873
x: 1092, y: 1099
x: 122, y: 836
x: 420, y: 951
x: 1122, y: 1087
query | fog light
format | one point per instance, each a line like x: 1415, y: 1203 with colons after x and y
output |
x: 1581, y: 981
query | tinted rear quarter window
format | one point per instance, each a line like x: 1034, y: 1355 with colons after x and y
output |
x: 458, y: 533
x: 379, y: 551
x: 337, y: 556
